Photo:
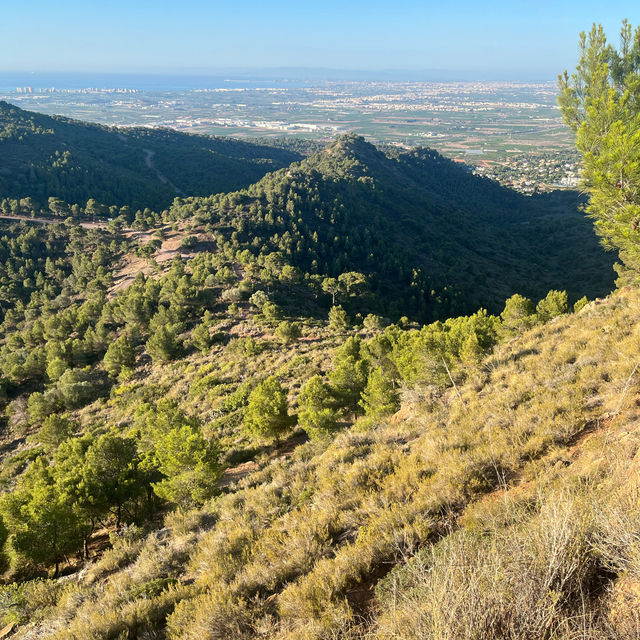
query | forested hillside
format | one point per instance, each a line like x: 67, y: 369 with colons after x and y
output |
x: 432, y: 239
x: 365, y: 397
x: 52, y: 156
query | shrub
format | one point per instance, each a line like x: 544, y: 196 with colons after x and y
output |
x: 580, y: 304
x: 554, y: 304
x: 271, y: 312
x: 267, y: 414
x: 288, y: 332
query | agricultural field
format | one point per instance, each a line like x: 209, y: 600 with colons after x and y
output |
x: 508, y: 131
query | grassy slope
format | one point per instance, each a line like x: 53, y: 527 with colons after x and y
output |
x: 509, y: 510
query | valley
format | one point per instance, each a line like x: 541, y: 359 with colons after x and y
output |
x: 485, y: 125
x: 316, y: 380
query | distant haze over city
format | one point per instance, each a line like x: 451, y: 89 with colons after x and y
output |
x: 250, y: 78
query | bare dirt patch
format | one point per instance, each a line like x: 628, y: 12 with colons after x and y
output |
x: 131, y: 264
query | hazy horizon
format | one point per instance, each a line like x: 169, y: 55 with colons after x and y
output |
x: 195, y: 79
x: 492, y: 41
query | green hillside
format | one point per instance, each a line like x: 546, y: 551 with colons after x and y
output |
x: 199, y: 452
x: 432, y: 239
x: 52, y: 156
x: 502, y: 492
x: 363, y: 398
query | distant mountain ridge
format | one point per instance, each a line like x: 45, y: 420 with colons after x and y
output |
x: 53, y: 156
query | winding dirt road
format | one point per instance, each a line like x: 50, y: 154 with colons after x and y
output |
x: 148, y: 160
x: 86, y: 225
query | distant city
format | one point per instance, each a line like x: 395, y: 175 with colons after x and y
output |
x: 30, y: 90
x: 507, y: 131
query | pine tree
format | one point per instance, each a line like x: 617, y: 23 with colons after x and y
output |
x: 55, y: 429
x: 332, y: 287
x: 349, y: 374
x: 316, y: 414
x: 554, y: 304
x: 120, y: 354
x: 162, y: 346
x: 271, y: 312
x: 338, y: 319
x: 599, y: 102
x: 43, y: 527
x: 580, y: 304
x: 518, y: 315
x: 380, y: 397
x: 471, y: 352
x: 267, y: 413
x: 201, y: 337
x: 110, y: 472
x: 189, y: 464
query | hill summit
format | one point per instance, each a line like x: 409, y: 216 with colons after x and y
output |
x: 432, y: 239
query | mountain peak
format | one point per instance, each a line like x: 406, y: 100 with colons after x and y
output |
x: 352, y: 145
x: 348, y: 155
x: 350, y: 142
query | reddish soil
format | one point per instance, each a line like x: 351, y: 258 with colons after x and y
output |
x: 132, y: 264
x: 282, y: 449
x: 234, y: 474
x: 361, y: 598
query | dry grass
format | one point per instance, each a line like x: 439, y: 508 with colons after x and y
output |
x: 510, y: 511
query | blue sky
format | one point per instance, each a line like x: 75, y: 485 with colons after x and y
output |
x: 519, y: 39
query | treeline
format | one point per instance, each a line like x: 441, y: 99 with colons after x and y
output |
x: 90, y: 211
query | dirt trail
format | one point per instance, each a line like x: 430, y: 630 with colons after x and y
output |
x: 148, y: 160
x: 283, y: 449
x: 40, y: 220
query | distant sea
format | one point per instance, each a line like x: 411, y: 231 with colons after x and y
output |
x: 9, y: 81
x: 285, y: 78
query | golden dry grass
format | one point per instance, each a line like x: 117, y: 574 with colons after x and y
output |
x: 508, y: 511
